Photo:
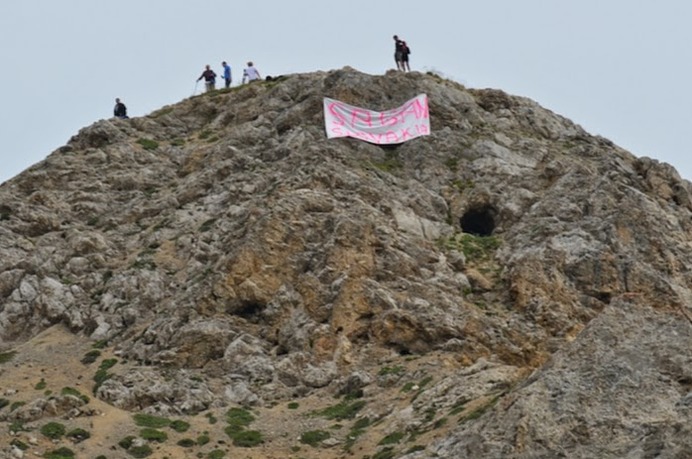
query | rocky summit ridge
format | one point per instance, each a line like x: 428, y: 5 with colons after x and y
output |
x: 509, y: 286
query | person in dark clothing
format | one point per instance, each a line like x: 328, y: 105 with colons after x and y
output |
x: 399, y: 53
x: 209, y: 78
x: 405, y: 51
x: 120, y: 110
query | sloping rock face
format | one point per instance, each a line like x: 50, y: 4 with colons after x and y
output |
x: 227, y: 238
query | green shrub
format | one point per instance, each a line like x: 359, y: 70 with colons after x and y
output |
x: 474, y: 247
x: 149, y: 420
x: 78, y: 435
x: 150, y: 434
x: 408, y: 386
x: 203, y: 439
x: 480, y: 411
x: 102, y: 374
x: 16, y: 405
x: 457, y: 408
x: 293, y: 406
x: 148, y: 144
x: 425, y: 381
x: 91, y: 356
x: 7, y: 356
x: 75, y: 393
x: 17, y: 426
x: 385, y: 453
x: 440, y: 423
x: 60, y: 453
x: 3, y: 403
x: 314, y: 437
x: 216, y: 454
x: 361, y: 423
x: 180, y: 426
x: 343, y: 410
x: 356, y: 431
x: 53, y: 430
x: 126, y: 442
x: 247, y: 438
x: 239, y: 417
x: 186, y: 442
x: 17, y: 443
x: 107, y: 364
x: 392, y: 438
x: 207, y: 225
x: 40, y: 385
x: 140, y: 451
x: 102, y: 343
x: 395, y: 370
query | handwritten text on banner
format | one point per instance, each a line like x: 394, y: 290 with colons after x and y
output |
x: 407, y: 122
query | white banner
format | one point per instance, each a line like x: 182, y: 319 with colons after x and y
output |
x: 407, y: 122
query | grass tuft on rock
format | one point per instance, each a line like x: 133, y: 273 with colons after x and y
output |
x: 314, y: 437
x: 343, y: 410
x: 149, y: 420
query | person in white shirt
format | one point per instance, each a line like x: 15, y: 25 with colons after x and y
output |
x: 251, y: 73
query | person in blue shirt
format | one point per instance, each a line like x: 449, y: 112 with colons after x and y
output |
x: 226, y: 73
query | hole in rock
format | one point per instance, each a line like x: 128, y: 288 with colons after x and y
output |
x: 250, y: 310
x: 479, y: 221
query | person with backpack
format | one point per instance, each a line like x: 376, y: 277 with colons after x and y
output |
x: 209, y: 78
x: 251, y: 74
x: 398, y: 53
x: 226, y: 73
x: 405, y: 51
x: 120, y: 110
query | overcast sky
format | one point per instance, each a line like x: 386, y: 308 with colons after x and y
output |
x: 619, y: 68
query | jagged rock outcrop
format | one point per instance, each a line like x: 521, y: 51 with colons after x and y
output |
x: 226, y: 238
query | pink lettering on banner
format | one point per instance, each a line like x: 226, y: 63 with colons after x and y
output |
x: 398, y: 125
x: 361, y: 114
x: 388, y: 119
x: 336, y: 113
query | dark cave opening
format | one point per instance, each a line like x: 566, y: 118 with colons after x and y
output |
x: 479, y: 221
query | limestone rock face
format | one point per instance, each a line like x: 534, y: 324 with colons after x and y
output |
x: 539, y: 275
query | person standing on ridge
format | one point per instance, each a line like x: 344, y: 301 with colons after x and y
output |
x: 405, y: 51
x: 226, y: 74
x: 120, y: 110
x: 250, y: 74
x: 209, y: 78
x: 398, y: 53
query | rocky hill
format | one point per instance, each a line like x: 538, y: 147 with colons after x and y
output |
x: 218, y: 279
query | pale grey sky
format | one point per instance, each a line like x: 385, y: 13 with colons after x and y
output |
x: 619, y: 68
